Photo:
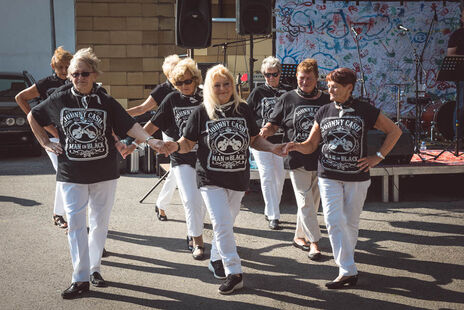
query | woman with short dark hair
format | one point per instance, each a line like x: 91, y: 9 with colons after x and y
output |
x: 341, y: 128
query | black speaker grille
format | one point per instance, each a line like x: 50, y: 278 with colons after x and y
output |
x: 193, y: 23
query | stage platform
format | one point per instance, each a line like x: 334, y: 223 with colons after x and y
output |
x: 447, y: 163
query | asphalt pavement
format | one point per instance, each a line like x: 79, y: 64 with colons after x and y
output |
x: 410, y: 254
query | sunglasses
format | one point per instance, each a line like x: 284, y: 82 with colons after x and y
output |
x: 83, y: 74
x: 186, y: 82
x: 275, y: 74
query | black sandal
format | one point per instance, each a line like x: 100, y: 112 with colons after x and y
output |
x: 59, y: 221
x: 190, y: 243
x: 200, y: 255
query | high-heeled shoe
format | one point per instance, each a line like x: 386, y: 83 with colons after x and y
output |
x: 351, y: 281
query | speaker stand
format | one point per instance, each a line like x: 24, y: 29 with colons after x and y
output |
x: 252, y: 64
x: 190, y: 53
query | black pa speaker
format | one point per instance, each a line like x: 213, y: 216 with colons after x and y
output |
x: 253, y: 17
x: 401, y: 153
x: 193, y: 23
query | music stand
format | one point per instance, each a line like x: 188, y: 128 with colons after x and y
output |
x: 452, y: 69
x: 288, y: 75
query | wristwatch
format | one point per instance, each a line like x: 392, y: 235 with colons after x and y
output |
x: 380, y: 155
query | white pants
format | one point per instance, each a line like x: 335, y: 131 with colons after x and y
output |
x: 167, y: 191
x: 307, y: 199
x: 58, y: 208
x: 223, y: 206
x: 169, y: 186
x: 186, y: 179
x: 272, y: 178
x: 86, y: 250
x: 342, y: 203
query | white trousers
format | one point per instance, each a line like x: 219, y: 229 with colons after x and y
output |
x: 307, y: 199
x: 86, y: 250
x: 186, y: 179
x: 169, y: 187
x: 58, y: 208
x: 167, y: 191
x: 223, y: 206
x: 272, y: 178
x: 342, y: 203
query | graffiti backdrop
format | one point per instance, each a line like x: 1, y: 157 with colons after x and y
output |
x: 323, y: 31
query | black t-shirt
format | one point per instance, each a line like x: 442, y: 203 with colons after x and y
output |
x: 457, y: 40
x: 223, y: 146
x: 161, y: 91
x: 344, y: 140
x: 295, y: 115
x: 171, y: 117
x: 48, y: 85
x: 89, y: 154
x: 262, y: 101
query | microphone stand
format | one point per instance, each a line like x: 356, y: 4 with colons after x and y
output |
x: 363, y: 87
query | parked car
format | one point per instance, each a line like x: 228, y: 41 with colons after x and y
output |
x: 15, y: 132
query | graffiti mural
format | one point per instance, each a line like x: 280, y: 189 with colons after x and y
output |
x: 326, y: 32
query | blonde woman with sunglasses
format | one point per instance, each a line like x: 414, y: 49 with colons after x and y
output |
x: 171, y: 117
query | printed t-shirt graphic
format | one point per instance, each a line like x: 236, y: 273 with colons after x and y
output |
x: 228, y: 141
x: 85, y: 133
x: 342, y: 147
x: 267, y: 106
x: 303, y: 120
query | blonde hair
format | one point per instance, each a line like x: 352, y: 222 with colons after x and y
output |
x: 184, y: 66
x: 271, y: 62
x: 87, y: 56
x: 169, y: 63
x: 210, y: 101
x: 61, y: 56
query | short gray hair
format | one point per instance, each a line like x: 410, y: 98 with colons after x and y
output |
x: 271, y: 62
x: 87, y: 56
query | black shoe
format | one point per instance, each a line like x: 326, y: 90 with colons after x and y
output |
x: 76, y: 289
x: 303, y: 247
x: 232, y: 283
x: 189, y: 243
x: 267, y: 219
x: 105, y: 253
x: 274, y: 224
x: 198, y: 252
x: 97, y: 280
x: 316, y: 256
x: 217, y: 268
x: 351, y: 281
x: 162, y: 218
x: 59, y: 221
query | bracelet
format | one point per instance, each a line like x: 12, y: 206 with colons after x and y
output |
x: 149, y: 138
x: 134, y: 143
x: 178, y: 146
x: 380, y: 155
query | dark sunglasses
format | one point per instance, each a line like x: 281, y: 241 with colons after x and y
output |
x: 275, y: 74
x: 186, y: 82
x: 83, y: 74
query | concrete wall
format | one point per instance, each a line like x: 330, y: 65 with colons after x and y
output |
x: 25, y: 34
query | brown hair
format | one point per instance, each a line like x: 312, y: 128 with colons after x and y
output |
x: 61, y: 55
x: 308, y: 65
x: 342, y: 76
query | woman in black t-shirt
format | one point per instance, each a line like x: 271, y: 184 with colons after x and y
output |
x: 85, y: 117
x: 343, y: 168
x: 270, y: 166
x: 43, y: 89
x: 223, y: 127
x: 294, y: 113
x: 171, y: 117
x: 151, y: 103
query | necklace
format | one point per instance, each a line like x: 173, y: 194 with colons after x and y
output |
x: 305, y: 95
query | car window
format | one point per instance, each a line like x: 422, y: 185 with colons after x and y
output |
x: 10, y: 87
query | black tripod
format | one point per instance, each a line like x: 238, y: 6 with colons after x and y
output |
x: 452, y: 69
